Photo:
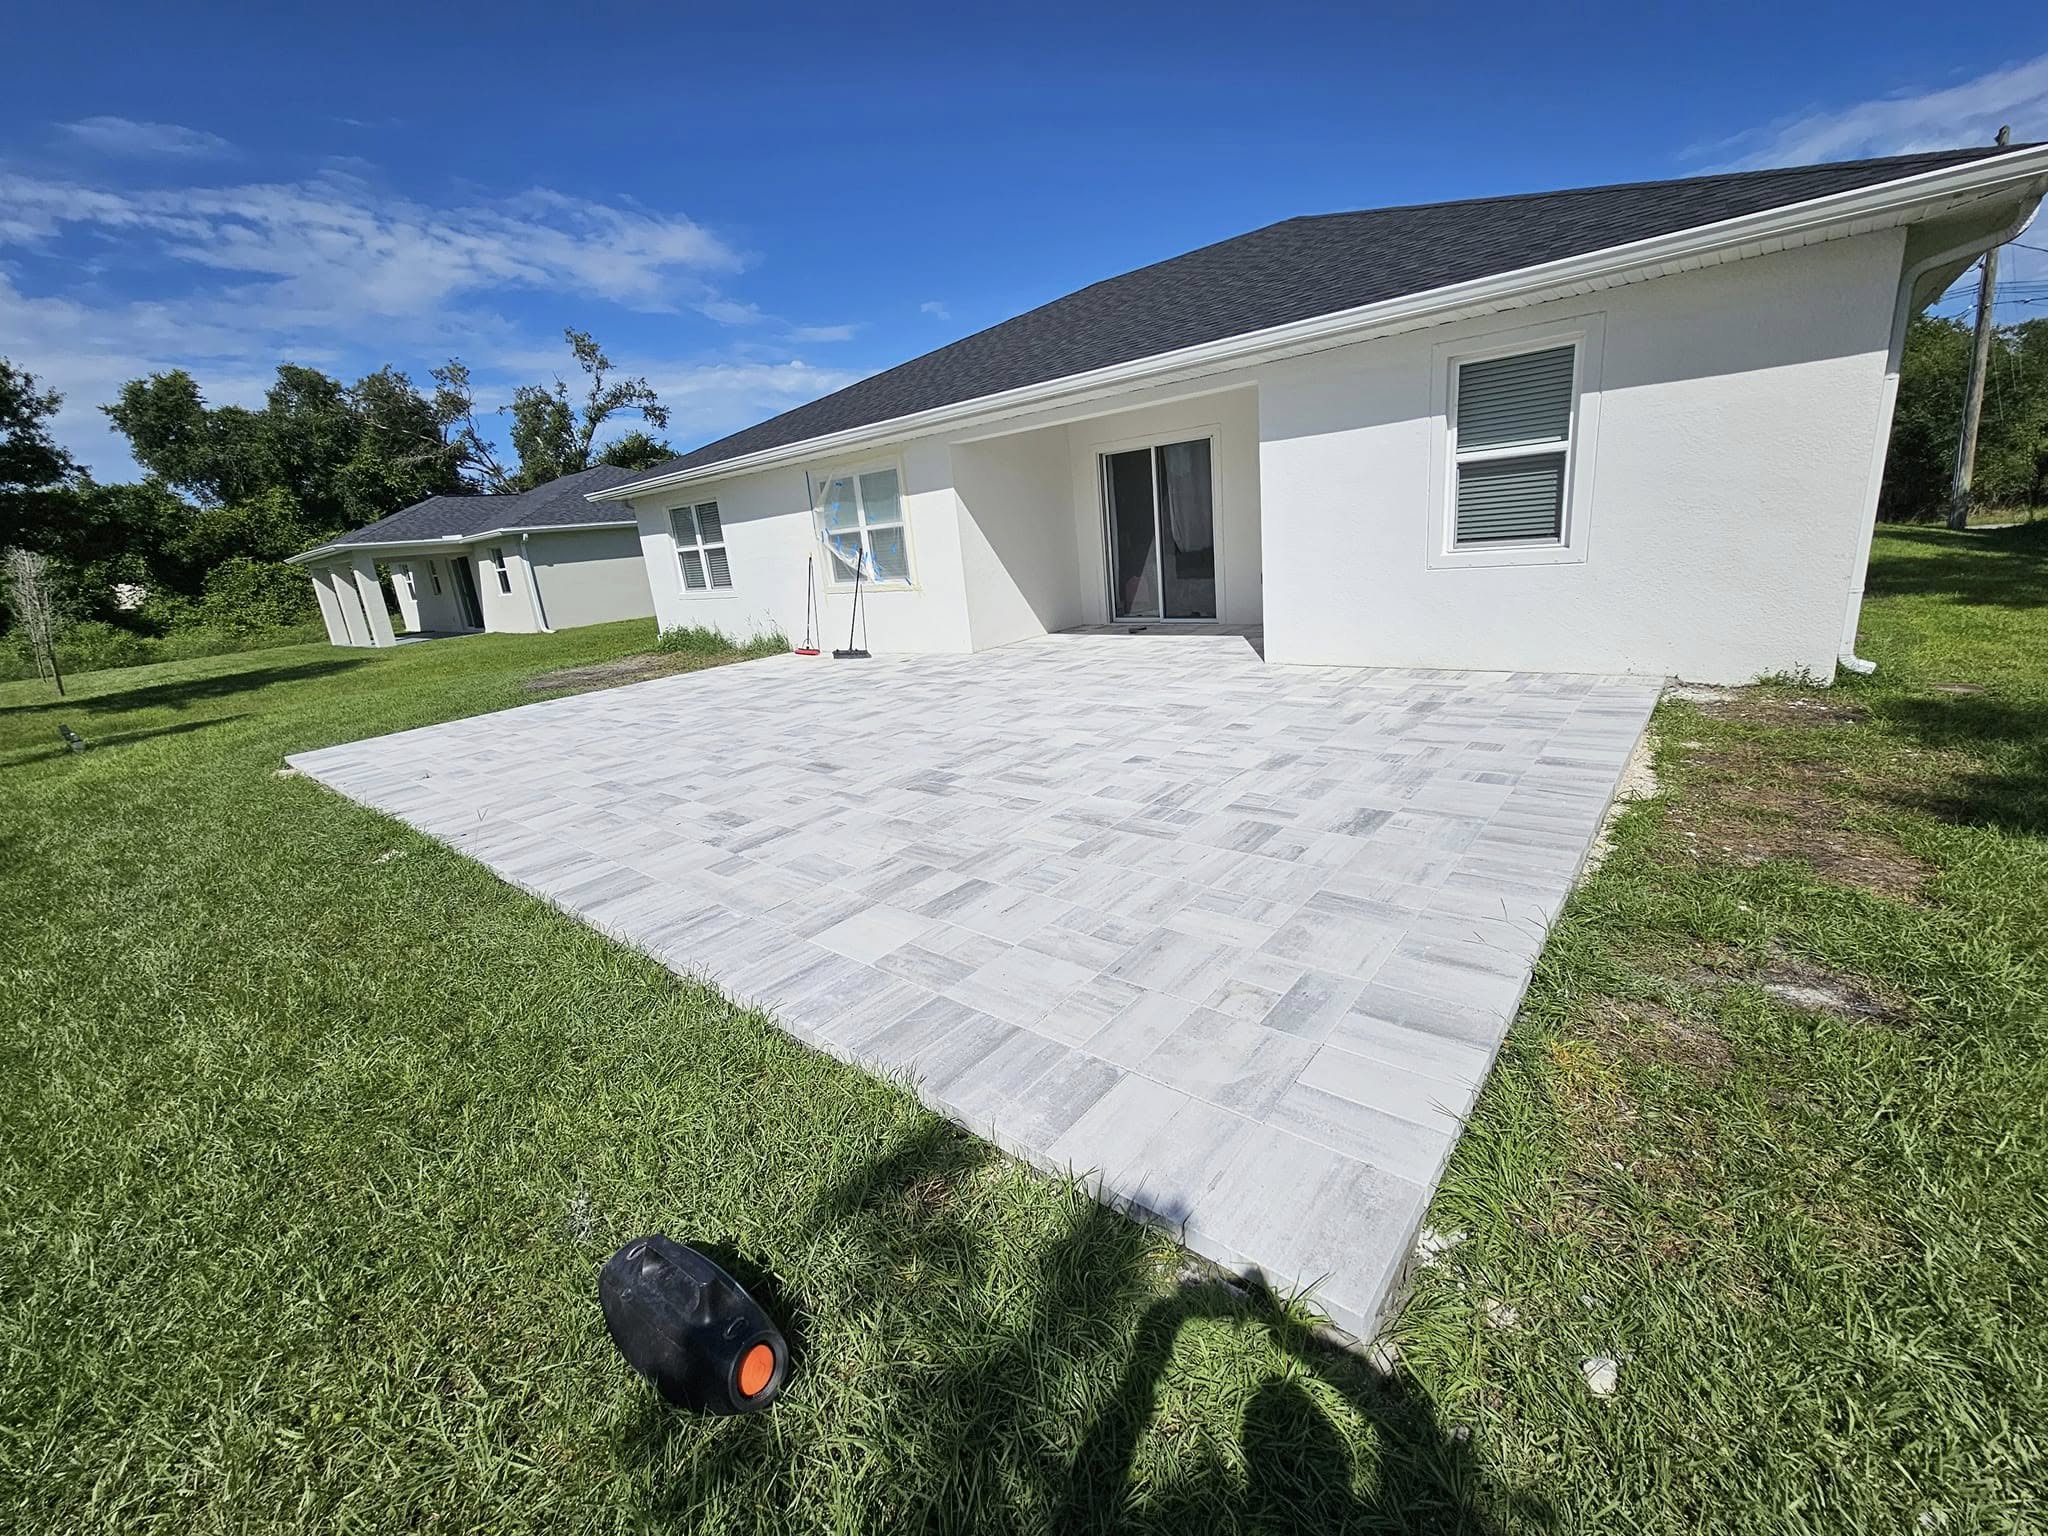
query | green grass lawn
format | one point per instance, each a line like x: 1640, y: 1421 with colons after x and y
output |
x: 314, y: 1136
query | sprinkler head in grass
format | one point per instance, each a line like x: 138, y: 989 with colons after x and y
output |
x: 72, y: 740
x: 691, y: 1329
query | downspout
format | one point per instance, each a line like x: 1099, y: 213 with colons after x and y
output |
x: 1902, y: 316
x: 540, y: 609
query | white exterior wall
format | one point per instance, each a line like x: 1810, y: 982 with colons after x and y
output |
x: 1018, y: 570
x: 768, y: 534
x: 1230, y: 419
x: 1727, y: 423
x: 438, y: 611
x: 591, y: 576
x: 1736, y: 412
x: 505, y: 613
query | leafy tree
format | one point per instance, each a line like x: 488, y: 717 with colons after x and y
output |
x: 635, y: 450
x: 554, y: 438
x: 32, y: 467
x: 552, y: 434
x: 268, y: 526
x: 2012, y: 439
x: 214, y: 455
x: 346, y: 454
x: 454, y: 403
x: 404, y: 452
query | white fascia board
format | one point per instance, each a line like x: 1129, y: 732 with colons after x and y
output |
x: 1859, y: 211
x: 449, y: 540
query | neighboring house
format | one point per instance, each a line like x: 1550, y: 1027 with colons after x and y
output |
x: 543, y: 559
x: 1632, y: 428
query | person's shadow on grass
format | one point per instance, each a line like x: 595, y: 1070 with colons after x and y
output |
x: 966, y: 1427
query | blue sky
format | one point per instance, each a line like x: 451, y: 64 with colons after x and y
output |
x: 752, y: 208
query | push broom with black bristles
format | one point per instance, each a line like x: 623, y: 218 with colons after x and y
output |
x: 859, y: 614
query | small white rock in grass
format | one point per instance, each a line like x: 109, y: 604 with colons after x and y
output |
x: 1461, y: 1434
x: 389, y: 854
x: 1431, y: 1245
x: 1384, y: 1358
x: 1602, y: 1373
x: 286, y: 773
x: 1499, y: 1315
x: 1588, y: 1302
x: 1931, y: 1520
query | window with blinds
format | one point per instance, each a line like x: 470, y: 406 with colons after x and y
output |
x: 700, y: 547
x: 1511, y: 447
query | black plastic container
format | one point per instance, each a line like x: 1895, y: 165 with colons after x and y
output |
x: 690, y: 1328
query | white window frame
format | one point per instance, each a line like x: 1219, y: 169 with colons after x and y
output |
x: 822, y: 482
x: 434, y: 576
x: 504, y: 570
x: 698, y: 545
x: 1586, y: 335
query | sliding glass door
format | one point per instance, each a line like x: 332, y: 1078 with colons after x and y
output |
x: 1161, y: 526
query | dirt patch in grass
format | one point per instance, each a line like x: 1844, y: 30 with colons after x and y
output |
x: 1628, y: 1079
x: 610, y: 674
x: 1757, y: 807
x: 1801, y: 983
x: 1642, y: 1033
x: 1804, y: 985
x: 1746, y: 708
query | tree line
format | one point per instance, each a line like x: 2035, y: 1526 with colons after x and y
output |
x: 2012, y: 440
x: 228, y: 492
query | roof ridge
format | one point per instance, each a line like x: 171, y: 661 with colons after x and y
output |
x: 1969, y: 152
x: 1301, y: 268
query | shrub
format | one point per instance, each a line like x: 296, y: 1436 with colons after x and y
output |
x: 95, y: 647
x: 709, y: 640
x: 245, y: 596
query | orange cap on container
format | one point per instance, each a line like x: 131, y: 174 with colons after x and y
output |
x: 757, y: 1366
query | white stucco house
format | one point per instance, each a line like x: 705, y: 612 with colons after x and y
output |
x: 539, y: 560
x: 1633, y: 428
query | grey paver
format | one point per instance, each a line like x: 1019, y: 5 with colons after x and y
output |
x: 1238, y: 941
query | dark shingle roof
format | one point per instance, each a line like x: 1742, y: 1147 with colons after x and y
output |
x: 1296, y: 270
x: 452, y: 517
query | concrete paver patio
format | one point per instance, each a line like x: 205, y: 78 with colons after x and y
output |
x: 1240, y: 941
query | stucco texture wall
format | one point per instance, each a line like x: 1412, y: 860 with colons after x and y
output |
x: 590, y: 576
x: 769, y: 535
x: 1721, y: 509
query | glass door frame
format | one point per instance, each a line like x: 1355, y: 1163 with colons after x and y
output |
x: 1151, y: 445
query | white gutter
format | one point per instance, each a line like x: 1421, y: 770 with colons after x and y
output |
x: 1902, y: 318
x: 448, y: 539
x: 1877, y: 206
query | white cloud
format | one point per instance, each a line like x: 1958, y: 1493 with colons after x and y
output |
x: 125, y: 136
x: 1902, y: 123
x: 88, y: 351
x: 333, y: 248
x: 229, y: 281
x: 935, y: 307
x: 824, y: 332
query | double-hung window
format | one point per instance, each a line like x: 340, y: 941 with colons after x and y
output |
x: 700, y: 547
x: 434, y: 575
x: 860, y: 522
x: 504, y: 575
x: 1511, y: 448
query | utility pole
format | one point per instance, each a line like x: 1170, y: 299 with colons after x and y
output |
x: 1973, y: 392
